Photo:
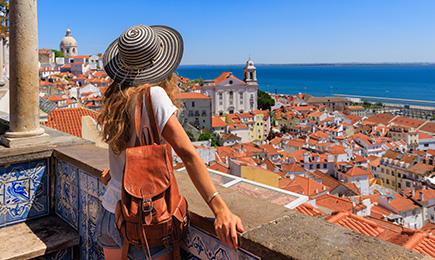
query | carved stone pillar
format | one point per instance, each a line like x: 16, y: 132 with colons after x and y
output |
x: 24, y: 77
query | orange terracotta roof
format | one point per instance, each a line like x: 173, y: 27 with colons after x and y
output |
x: 294, y: 167
x: 402, y: 203
x: 269, y: 149
x: 69, y: 120
x: 218, y: 166
x: 356, y: 223
x: 428, y: 127
x: 310, y: 210
x: 334, y: 203
x: 238, y: 126
x: 218, y: 122
x: 192, y: 95
x: 224, y: 76
x: 421, y: 242
x: 382, y: 118
x: 275, y: 141
x: 408, y: 121
x: 309, y: 186
x: 422, y: 168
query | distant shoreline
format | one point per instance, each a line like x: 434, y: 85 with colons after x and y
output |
x: 323, y: 64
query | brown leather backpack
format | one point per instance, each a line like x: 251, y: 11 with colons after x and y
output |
x: 151, y: 211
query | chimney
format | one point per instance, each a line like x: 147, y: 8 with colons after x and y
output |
x: 421, y: 198
x: 413, y: 192
x: 388, y: 200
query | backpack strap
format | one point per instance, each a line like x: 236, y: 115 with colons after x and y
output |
x: 152, y: 116
x: 153, y: 133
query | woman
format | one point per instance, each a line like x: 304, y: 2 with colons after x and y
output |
x: 141, y: 57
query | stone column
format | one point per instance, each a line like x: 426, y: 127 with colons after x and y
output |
x: 24, y: 79
x: 1, y: 61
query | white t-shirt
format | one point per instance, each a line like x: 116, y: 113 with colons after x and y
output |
x: 163, y: 109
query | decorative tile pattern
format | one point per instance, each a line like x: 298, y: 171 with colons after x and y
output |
x: 78, y: 203
x: 23, y: 191
x: 201, y: 245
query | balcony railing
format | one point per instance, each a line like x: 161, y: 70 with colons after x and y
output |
x: 71, y: 167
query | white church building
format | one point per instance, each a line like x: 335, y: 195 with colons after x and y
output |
x: 231, y: 95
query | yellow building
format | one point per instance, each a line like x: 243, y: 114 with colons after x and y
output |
x: 393, y: 170
x: 258, y: 127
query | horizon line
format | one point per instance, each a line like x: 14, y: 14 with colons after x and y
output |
x: 321, y: 64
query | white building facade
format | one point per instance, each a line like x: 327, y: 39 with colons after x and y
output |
x: 231, y: 95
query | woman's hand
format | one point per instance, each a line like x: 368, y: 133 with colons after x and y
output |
x: 226, y: 225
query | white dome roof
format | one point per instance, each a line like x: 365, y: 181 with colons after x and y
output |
x: 250, y: 64
x: 68, y: 40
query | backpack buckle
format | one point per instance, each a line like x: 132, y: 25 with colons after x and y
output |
x: 147, y: 205
x: 166, y: 240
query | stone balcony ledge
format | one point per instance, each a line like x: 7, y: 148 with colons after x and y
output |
x: 271, y: 231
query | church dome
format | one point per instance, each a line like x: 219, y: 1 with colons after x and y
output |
x: 250, y: 64
x: 68, y: 40
x: 68, y: 45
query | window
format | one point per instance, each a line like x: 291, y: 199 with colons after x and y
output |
x: 193, y: 104
x: 196, y: 112
x: 190, y: 112
x: 392, y: 173
x: 325, y: 166
x: 311, y: 166
x: 318, y: 166
x: 388, y: 171
x: 388, y: 181
x: 231, y: 82
x: 220, y: 96
x: 408, y: 184
x: 399, y: 175
x: 382, y: 170
x: 399, y: 185
x: 204, y: 112
x: 231, y: 95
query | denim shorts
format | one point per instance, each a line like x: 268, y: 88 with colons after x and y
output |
x: 109, y: 237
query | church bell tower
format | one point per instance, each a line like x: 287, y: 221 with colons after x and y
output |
x: 250, y: 73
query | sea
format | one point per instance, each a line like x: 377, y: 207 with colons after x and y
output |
x: 415, y: 82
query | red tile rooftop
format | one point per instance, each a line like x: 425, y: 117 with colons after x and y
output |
x: 356, y: 223
x: 310, y: 210
x: 69, y: 120
x: 192, y: 95
x: 226, y: 75
x: 218, y: 122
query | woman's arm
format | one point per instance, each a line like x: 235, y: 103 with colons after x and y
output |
x: 226, y: 223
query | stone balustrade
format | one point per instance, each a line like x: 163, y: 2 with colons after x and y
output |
x: 61, y: 179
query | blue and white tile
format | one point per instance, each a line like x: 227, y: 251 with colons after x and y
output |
x: 84, y: 248
x: 101, y: 189
x: 205, y: 246
x: 83, y: 226
x: 92, y: 232
x: 17, y: 191
x: 93, y: 208
x: 93, y: 186
x: 68, y: 213
x: 72, y: 175
x: 70, y: 194
x: 61, y: 169
x: 17, y: 212
x: 2, y: 215
x: 40, y: 207
x: 2, y: 193
x: 83, y: 202
x: 83, y: 180
x: 41, y: 188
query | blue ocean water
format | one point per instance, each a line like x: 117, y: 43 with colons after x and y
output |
x: 404, y: 81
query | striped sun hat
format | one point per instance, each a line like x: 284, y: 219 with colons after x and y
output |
x: 143, y: 54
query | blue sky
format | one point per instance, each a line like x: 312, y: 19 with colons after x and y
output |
x: 273, y: 31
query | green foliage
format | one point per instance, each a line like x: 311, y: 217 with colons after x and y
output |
x: 265, y: 101
x: 379, y: 104
x: 208, y: 136
x: 197, y: 81
x: 190, y: 135
x: 58, y: 54
x: 366, y: 104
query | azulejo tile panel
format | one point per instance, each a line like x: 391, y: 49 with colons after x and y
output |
x: 23, y: 191
x: 64, y: 254
x: 201, y: 245
x: 77, y: 202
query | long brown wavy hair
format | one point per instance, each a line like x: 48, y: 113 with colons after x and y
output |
x: 115, y: 113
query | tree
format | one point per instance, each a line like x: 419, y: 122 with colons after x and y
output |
x: 366, y: 104
x: 265, y: 101
x: 206, y: 137
x: 57, y: 54
x: 379, y: 104
x: 197, y: 81
x: 284, y: 129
